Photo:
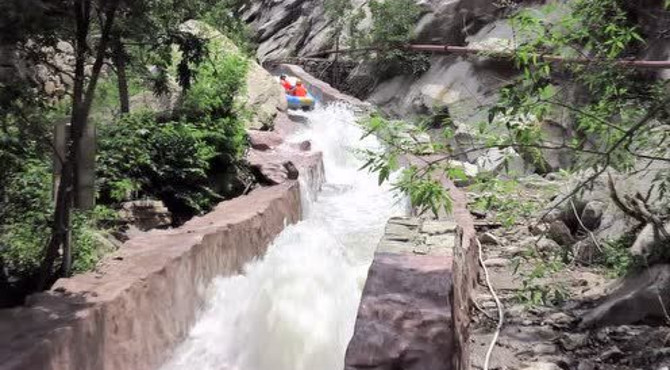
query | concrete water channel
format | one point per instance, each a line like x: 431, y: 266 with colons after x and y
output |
x: 290, y: 277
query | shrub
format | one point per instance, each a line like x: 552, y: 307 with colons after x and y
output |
x: 218, y: 81
x: 393, y: 23
x: 25, y: 228
x: 175, y: 161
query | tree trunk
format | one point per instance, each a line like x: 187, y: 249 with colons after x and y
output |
x: 85, y: 176
x: 119, y: 57
x: 336, y: 69
x: 82, y: 97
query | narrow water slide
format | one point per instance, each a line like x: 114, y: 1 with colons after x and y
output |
x: 295, y: 308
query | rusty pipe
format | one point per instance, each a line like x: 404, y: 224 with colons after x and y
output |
x: 464, y: 50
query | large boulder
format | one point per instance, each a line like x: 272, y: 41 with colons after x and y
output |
x: 600, y: 214
x: 262, y: 96
x: 506, y: 162
x: 145, y: 214
x: 650, y: 240
x: 264, y: 140
x: 641, y: 298
x: 288, y: 28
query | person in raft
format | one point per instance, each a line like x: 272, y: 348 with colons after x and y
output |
x: 299, y: 89
x: 285, y: 84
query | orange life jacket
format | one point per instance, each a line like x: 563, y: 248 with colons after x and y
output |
x: 300, y: 91
x: 286, y: 85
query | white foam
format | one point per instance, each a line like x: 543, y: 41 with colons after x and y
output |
x: 295, y: 309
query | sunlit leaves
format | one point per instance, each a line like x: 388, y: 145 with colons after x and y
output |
x: 426, y: 193
x: 403, y: 143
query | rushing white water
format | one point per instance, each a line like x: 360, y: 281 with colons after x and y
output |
x: 295, y: 309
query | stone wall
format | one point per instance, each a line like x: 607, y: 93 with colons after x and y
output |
x: 143, y: 300
x: 415, y: 309
x: 404, y: 319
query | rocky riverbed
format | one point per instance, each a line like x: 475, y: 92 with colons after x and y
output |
x: 563, y: 314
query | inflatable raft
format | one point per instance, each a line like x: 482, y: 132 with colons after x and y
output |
x: 300, y: 102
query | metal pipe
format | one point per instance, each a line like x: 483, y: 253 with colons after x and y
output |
x: 463, y: 50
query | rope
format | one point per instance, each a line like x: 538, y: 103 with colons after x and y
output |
x: 501, y: 313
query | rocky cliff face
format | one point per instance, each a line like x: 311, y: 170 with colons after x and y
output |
x: 458, y: 87
x: 299, y: 28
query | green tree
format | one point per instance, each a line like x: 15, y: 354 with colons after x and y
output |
x: 124, y: 31
x: 392, y: 26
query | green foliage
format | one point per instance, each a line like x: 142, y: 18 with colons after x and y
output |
x: 393, y: 22
x: 504, y: 198
x: 106, y: 103
x: 340, y: 12
x: 88, y: 235
x: 138, y: 156
x: 223, y: 16
x: 619, y: 97
x: 421, y: 183
x: 617, y: 258
x: 538, y: 279
x: 174, y: 161
x: 220, y: 78
x: 25, y: 225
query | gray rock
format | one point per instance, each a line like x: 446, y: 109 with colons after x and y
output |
x: 514, y: 251
x: 263, y: 96
x: 538, y: 229
x: 552, y: 176
x: 542, y: 366
x: 406, y: 221
x: 545, y: 349
x: 572, y: 341
x: 649, y: 239
x: 271, y: 173
x: 556, y: 135
x: 586, y: 365
x: 398, y: 232
x: 637, y: 299
x: 613, y: 354
x: 542, y: 245
x: 145, y: 214
x: 264, y: 140
x: 592, y: 214
x: 50, y: 88
x: 438, y: 227
x: 560, y: 233
x: 488, y: 238
x: 559, y: 319
x: 291, y: 170
x: 506, y: 161
x: 444, y: 241
x: 586, y: 251
x: 496, y: 262
x: 553, y: 215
